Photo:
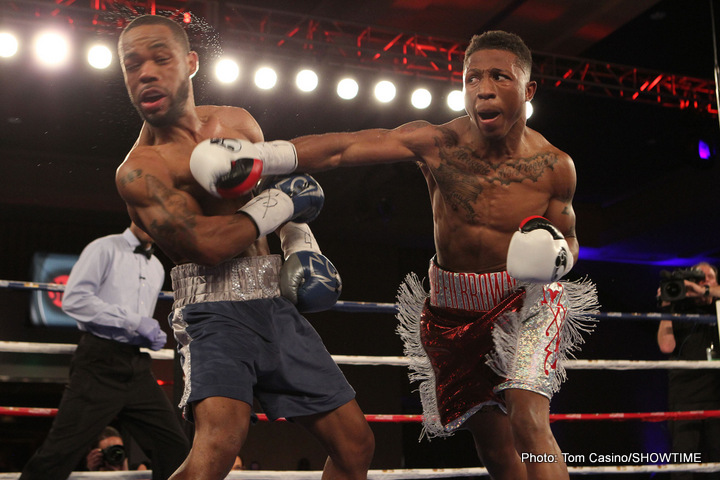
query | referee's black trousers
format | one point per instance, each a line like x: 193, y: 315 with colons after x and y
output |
x: 109, y: 380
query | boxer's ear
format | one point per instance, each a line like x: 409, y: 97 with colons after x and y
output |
x: 193, y: 63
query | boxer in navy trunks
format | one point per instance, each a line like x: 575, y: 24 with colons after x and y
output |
x: 237, y: 336
x: 273, y: 352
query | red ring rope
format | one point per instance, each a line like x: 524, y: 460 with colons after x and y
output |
x: 383, y: 418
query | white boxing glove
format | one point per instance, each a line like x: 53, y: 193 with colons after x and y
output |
x: 230, y: 167
x: 538, y: 252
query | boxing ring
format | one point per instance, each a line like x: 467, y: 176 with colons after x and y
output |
x: 648, y: 462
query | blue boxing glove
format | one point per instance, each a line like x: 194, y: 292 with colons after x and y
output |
x: 538, y: 252
x: 307, y: 278
x: 152, y: 335
x: 281, y: 199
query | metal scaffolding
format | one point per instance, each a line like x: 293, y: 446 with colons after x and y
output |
x: 296, y: 36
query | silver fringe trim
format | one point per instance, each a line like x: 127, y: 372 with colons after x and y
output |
x: 179, y: 326
x: 411, y: 298
x: 582, y: 305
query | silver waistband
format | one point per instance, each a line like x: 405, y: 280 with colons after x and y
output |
x: 240, y: 279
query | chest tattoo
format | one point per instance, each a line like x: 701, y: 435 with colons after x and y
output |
x: 462, y: 176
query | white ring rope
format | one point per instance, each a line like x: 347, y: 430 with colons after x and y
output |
x: 397, y: 474
x: 168, y: 354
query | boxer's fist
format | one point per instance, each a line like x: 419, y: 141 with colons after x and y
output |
x: 226, y: 167
x: 152, y: 335
x: 310, y: 281
x: 538, y: 252
x: 296, y: 197
x: 230, y: 167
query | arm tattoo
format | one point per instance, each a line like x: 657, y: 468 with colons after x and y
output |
x: 131, y: 177
x: 177, y: 226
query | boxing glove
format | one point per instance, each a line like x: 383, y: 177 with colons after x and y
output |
x: 538, y: 252
x: 230, y: 167
x: 307, y: 278
x: 296, y: 197
x: 152, y: 335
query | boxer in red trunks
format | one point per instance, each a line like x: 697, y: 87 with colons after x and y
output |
x: 486, y: 172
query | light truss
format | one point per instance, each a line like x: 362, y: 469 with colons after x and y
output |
x: 296, y: 36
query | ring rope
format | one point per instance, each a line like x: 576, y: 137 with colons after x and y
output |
x: 375, y: 307
x: 395, y: 418
x: 168, y: 354
x: 398, y: 474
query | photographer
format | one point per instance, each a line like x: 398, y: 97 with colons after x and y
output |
x: 696, y: 389
x: 108, y: 453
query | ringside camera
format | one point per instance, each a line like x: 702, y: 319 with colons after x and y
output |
x: 672, y: 284
x: 114, y: 455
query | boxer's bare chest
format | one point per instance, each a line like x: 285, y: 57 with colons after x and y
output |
x: 479, y: 189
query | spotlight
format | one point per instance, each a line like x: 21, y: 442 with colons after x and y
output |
x: 265, y: 78
x: 528, y: 110
x: 100, y: 57
x: 51, y: 49
x: 456, y: 100
x: 306, y: 80
x: 227, y: 70
x: 8, y: 45
x: 385, y: 91
x: 347, y: 89
x: 421, y: 98
x: 706, y: 149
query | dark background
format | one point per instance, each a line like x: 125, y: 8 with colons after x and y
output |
x: 644, y: 203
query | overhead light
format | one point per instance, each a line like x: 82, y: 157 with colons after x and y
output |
x: 52, y: 49
x: 347, y: 89
x: 265, y: 78
x: 456, y: 100
x: 385, y: 91
x: 704, y: 151
x: 100, y: 57
x: 8, y: 44
x: 306, y: 80
x: 227, y: 70
x: 421, y: 98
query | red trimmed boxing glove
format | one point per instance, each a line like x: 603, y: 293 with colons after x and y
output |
x: 538, y: 252
x: 230, y: 167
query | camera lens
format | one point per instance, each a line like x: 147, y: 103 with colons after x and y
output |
x: 672, y: 290
x: 114, y: 455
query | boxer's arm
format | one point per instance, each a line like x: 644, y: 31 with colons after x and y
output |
x: 174, y: 219
x: 666, y: 337
x: 366, y: 147
x: 560, y: 211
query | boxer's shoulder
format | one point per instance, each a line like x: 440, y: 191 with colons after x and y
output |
x: 229, y: 121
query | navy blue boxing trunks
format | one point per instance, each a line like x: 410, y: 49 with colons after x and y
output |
x: 239, y: 338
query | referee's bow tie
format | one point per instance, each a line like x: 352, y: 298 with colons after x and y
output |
x: 148, y: 253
